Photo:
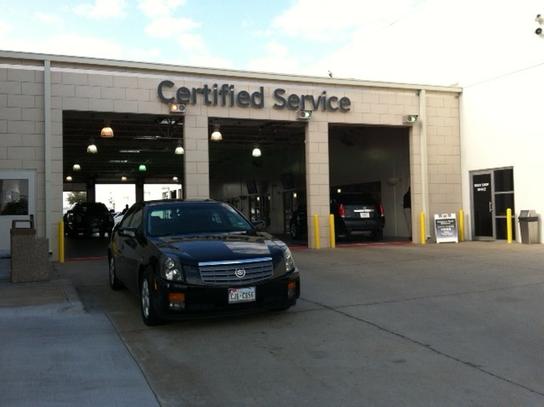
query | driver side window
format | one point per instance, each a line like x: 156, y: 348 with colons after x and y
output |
x: 126, y: 219
x: 135, y: 220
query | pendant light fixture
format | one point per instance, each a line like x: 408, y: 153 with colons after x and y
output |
x: 175, y: 179
x: 107, y: 131
x: 256, y: 152
x: 216, y: 135
x: 142, y: 168
x: 123, y: 178
x: 179, y: 149
x: 91, y: 148
x: 76, y: 167
x: 69, y: 178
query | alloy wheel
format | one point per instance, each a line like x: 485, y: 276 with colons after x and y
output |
x: 145, y: 298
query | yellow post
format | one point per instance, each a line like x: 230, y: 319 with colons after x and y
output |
x: 422, y: 234
x: 509, y: 225
x: 332, y: 236
x: 461, y: 225
x: 61, y: 241
x: 317, y: 244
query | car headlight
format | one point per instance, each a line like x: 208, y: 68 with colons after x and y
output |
x: 289, y: 261
x: 171, y: 269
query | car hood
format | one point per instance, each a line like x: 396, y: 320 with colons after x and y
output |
x: 199, y: 248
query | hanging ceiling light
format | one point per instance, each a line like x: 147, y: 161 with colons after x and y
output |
x: 76, y: 167
x: 216, y: 135
x: 107, y: 131
x: 142, y: 168
x: 69, y: 178
x: 91, y: 148
x: 256, y: 152
x: 123, y: 178
x: 175, y: 179
x: 179, y: 149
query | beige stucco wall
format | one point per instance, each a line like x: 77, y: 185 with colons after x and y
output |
x: 112, y: 89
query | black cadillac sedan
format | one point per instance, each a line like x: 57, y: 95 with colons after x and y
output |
x: 192, y: 257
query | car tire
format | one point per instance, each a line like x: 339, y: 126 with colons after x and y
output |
x: 147, y: 308
x: 377, y: 235
x: 115, y: 283
x: 283, y: 308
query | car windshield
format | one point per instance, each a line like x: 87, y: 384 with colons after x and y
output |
x: 355, y: 199
x: 92, y: 208
x: 195, y: 218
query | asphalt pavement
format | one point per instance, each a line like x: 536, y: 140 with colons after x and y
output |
x: 377, y: 325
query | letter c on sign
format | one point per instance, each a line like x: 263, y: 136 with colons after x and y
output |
x: 330, y: 107
x: 168, y: 84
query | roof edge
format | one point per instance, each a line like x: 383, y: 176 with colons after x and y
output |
x: 147, y: 66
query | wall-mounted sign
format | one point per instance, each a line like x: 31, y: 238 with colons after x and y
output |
x: 445, y: 228
x: 227, y: 95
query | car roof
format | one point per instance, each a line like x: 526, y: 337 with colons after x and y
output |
x: 181, y: 201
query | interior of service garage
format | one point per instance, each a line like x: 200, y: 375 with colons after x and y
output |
x: 117, y: 159
x: 258, y: 166
x: 375, y: 161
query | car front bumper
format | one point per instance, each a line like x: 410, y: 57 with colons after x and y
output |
x: 213, y: 300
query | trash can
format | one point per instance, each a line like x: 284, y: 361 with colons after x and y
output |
x: 29, y: 254
x: 528, y: 224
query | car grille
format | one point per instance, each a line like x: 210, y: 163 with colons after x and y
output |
x: 224, y: 272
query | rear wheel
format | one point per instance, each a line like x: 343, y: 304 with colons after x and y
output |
x: 149, y: 314
x: 377, y: 235
x: 115, y: 283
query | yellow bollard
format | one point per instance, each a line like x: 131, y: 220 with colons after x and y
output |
x: 317, y: 244
x: 509, y: 225
x: 332, y: 237
x: 61, y: 241
x: 422, y: 234
x: 461, y: 225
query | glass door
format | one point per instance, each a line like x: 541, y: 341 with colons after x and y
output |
x: 492, y: 194
x: 482, y: 206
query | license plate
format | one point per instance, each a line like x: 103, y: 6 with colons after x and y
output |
x: 246, y: 294
x: 364, y: 214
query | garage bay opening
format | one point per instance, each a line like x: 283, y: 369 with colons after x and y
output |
x: 370, y: 182
x: 258, y: 166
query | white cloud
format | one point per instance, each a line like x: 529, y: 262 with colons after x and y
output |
x: 159, y: 8
x: 4, y: 28
x: 183, y: 31
x: 46, y: 18
x: 102, y: 9
x: 170, y: 27
x: 407, y: 41
x: 79, y: 45
x: 276, y: 58
x: 325, y: 20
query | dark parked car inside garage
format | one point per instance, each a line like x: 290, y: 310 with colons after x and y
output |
x: 354, y: 214
x: 88, y: 218
x: 192, y: 257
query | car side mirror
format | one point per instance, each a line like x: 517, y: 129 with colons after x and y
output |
x: 259, y: 225
x: 127, y: 232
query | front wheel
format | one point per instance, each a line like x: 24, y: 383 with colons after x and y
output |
x: 147, y: 308
x: 115, y: 283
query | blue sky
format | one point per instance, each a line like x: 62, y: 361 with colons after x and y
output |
x: 418, y: 41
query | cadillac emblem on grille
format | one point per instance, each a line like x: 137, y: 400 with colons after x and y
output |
x: 240, y: 273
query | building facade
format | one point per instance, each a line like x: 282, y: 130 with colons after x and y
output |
x: 36, y: 91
